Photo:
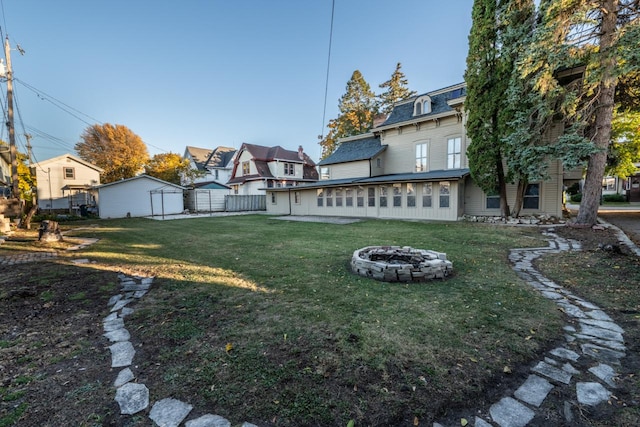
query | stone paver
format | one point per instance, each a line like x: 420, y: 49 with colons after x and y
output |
x: 534, y: 390
x: 169, y: 412
x: 592, y: 394
x: 511, y: 413
x: 132, y: 398
x: 209, y: 421
x: 606, y: 373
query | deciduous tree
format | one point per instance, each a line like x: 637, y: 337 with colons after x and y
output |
x: 169, y: 167
x: 115, y: 148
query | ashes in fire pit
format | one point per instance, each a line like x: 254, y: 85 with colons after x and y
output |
x: 400, y: 264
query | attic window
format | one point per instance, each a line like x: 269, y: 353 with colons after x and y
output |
x: 69, y: 173
x: 422, y: 105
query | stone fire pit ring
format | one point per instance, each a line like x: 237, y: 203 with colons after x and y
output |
x: 400, y: 264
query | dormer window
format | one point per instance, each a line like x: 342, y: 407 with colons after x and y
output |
x: 422, y: 105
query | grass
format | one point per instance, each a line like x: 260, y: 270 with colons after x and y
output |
x: 275, y: 326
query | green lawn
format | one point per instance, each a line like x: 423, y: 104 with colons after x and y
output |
x: 261, y: 319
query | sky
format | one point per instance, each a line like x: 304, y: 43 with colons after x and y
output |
x: 209, y: 73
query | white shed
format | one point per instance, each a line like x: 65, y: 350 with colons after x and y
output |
x: 142, y: 195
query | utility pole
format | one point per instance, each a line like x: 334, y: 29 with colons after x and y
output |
x: 12, y: 136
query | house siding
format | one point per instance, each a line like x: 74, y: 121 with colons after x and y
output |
x: 350, y: 169
x: 401, y: 155
x: 51, y: 179
x: 139, y: 197
x: 308, y: 203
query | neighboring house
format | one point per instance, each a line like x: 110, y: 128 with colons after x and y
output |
x: 64, y: 183
x: 631, y: 186
x: 412, y: 166
x: 142, y: 195
x: 5, y: 172
x: 256, y: 167
x: 216, y: 165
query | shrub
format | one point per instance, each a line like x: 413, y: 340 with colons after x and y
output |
x: 576, y: 198
x: 614, y: 198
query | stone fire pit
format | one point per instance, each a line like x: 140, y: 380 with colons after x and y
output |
x: 400, y: 264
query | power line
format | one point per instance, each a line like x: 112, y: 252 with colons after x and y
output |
x: 326, y: 85
x: 45, y: 97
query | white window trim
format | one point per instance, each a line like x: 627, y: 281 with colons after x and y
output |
x: 422, y: 105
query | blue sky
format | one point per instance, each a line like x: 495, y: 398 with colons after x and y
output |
x: 207, y: 73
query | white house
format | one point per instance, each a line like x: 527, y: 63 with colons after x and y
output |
x: 216, y: 165
x: 256, y: 167
x: 412, y: 166
x: 142, y: 195
x: 64, y: 183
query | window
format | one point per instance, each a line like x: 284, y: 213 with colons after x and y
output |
x: 246, y: 168
x: 411, y: 195
x: 379, y: 162
x: 296, y: 197
x: 397, y: 195
x: 339, y: 197
x: 444, y: 194
x: 273, y: 198
x: 371, y: 197
x: 422, y: 106
x: 427, y: 192
x: 609, y: 183
x: 348, y: 197
x: 217, y: 177
x: 329, y: 197
x: 235, y: 189
x: 493, y: 200
x: 531, y: 197
x: 320, y: 197
x: 453, y: 153
x: 325, y: 173
x: 289, y: 169
x: 69, y: 173
x: 383, y: 196
x: 360, y: 197
x: 421, y: 157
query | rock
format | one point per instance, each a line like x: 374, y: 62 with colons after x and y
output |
x: 132, y: 398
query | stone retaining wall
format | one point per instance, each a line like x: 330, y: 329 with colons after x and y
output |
x: 400, y: 264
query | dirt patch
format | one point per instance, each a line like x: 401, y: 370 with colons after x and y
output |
x: 55, y: 364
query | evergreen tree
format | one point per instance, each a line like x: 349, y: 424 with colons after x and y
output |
x: 396, y: 89
x: 601, y: 37
x: 357, y: 110
x: 486, y: 86
x: 115, y: 148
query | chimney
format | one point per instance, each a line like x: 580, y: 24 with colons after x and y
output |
x: 379, y: 119
x: 300, y: 153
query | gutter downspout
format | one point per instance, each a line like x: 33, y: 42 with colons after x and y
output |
x: 289, y: 191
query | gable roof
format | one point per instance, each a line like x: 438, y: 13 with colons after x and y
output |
x: 72, y: 157
x: 355, y: 150
x: 220, y: 157
x: 441, y: 100
x: 199, y: 156
x: 269, y: 154
x: 143, y: 176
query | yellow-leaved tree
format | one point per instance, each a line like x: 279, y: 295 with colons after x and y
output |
x: 170, y: 167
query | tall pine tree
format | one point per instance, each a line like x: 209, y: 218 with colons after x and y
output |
x: 486, y: 80
x: 600, y: 36
x: 357, y: 110
x: 395, y: 89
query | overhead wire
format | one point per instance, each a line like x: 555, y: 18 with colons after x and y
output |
x: 326, y: 85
